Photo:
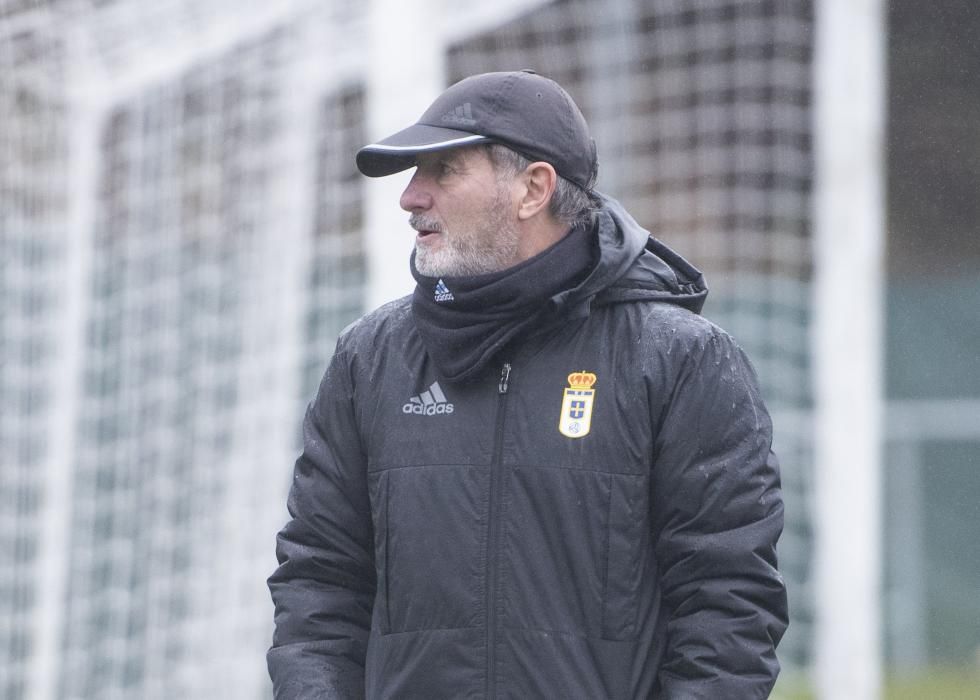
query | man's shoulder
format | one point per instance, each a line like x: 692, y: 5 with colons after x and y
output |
x: 393, y: 319
x: 658, y: 318
x: 663, y: 325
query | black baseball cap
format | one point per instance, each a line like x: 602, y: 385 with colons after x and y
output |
x: 522, y: 110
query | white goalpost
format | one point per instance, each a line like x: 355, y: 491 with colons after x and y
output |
x: 849, y: 91
x: 404, y: 74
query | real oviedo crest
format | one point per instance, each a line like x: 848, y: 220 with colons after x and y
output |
x: 576, y: 406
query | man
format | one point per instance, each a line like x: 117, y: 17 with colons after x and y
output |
x: 543, y: 475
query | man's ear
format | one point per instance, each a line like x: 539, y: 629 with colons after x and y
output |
x: 540, y: 180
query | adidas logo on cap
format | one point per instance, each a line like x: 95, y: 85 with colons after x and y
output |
x: 463, y: 114
x: 429, y: 403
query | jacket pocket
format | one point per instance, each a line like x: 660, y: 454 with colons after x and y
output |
x: 628, y: 541
x: 554, y: 556
x: 428, y: 540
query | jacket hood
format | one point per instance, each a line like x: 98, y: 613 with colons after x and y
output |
x: 632, y: 266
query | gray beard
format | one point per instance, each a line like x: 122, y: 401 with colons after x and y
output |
x: 491, y: 248
x: 463, y: 258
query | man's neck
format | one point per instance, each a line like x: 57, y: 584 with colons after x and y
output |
x: 538, y: 236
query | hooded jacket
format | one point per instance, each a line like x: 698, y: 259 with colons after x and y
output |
x: 594, y: 516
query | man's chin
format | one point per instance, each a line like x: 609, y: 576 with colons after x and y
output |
x: 429, y: 263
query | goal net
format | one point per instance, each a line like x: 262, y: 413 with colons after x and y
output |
x: 182, y: 237
x: 181, y: 245
x: 701, y: 114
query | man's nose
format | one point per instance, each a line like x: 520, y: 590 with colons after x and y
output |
x: 416, y: 196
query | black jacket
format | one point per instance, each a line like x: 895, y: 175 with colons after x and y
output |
x: 449, y: 541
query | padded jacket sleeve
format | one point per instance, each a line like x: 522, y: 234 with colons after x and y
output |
x: 324, y: 587
x: 717, y: 513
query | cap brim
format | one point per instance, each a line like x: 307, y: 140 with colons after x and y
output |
x: 398, y: 151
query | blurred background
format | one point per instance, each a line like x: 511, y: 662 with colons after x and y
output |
x: 183, y: 234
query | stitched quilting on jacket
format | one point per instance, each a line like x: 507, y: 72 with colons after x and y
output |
x: 595, y: 516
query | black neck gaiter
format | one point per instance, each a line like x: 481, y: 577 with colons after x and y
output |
x: 465, y: 321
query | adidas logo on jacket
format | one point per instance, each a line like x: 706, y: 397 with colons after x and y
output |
x: 429, y: 403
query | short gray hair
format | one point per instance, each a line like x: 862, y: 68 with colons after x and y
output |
x: 570, y: 204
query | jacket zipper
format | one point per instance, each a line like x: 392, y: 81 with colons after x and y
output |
x: 496, y: 475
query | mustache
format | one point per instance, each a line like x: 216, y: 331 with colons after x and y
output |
x: 420, y: 222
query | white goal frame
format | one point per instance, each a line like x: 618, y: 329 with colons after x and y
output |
x: 847, y: 350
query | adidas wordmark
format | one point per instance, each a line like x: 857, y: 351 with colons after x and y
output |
x: 429, y: 403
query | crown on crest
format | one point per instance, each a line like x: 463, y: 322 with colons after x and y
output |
x: 581, y: 380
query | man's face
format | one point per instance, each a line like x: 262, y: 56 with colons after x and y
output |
x: 465, y: 215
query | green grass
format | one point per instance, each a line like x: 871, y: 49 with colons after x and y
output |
x: 961, y: 683
x: 938, y: 683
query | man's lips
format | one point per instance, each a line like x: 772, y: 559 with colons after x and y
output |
x: 423, y: 228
